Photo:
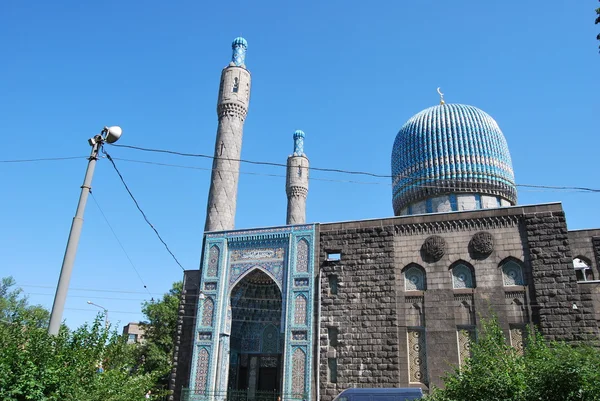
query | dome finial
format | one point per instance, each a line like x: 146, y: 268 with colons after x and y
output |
x: 441, y: 96
x: 239, y: 47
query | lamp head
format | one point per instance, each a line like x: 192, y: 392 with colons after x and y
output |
x: 113, y: 133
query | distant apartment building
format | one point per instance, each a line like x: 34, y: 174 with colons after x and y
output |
x: 134, y: 333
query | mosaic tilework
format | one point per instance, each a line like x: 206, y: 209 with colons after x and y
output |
x: 301, y: 282
x: 450, y: 148
x: 462, y: 277
x: 270, y: 339
x: 257, y: 254
x: 269, y: 361
x: 465, y: 339
x: 298, y: 373
x: 275, y: 268
x: 299, y: 143
x: 517, y: 338
x: 414, y: 279
x: 208, y: 312
x: 299, y: 335
x: 201, y: 371
x: 239, y: 47
x: 417, y: 356
x: 302, y: 256
x: 513, y: 274
x: 213, y: 261
x: 300, y: 310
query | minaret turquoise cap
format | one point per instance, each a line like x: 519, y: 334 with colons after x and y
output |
x: 239, y: 47
x: 299, y: 143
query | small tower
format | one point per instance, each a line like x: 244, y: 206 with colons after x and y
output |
x: 232, y: 107
x: 296, y: 185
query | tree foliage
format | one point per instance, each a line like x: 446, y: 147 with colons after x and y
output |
x: 160, y: 331
x: 598, y: 20
x: 13, y: 305
x: 547, y: 371
x: 89, y: 363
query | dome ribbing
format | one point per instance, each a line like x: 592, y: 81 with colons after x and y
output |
x: 450, y: 149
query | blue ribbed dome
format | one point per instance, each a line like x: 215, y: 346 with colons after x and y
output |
x: 239, y: 41
x: 450, y: 149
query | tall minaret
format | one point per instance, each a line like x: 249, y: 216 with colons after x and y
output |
x: 232, y: 107
x: 296, y: 185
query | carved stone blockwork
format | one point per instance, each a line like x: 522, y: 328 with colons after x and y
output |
x: 437, y: 227
x: 481, y: 245
x: 433, y: 249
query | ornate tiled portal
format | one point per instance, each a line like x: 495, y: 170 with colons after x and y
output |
x: 254, y: 329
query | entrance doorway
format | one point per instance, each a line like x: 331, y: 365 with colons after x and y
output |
x: 256, y: 364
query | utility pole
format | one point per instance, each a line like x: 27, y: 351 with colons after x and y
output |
x: 108, y: 135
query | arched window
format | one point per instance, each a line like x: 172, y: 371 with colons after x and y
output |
x: 207, y: 312
x: 298, y: 373
x: 512, y: 273
x: 201, y: 371
x: 213, y: 261
x: 414, y: 279
x: 583, y: 269
x: 300, y: 310
x: 462, y: 277
x: 302, y: 256
x: 236, y: 85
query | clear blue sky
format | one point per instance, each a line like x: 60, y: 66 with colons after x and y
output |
x: 348, y: 73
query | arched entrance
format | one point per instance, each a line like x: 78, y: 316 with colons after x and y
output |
x: 256, y: 353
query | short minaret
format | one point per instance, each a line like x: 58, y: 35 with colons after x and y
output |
x: 296, y: 185
x: 232, y: 107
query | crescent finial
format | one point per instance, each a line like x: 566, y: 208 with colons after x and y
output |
x: 441, y: 96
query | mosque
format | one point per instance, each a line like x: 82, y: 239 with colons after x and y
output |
x: 306, y: 310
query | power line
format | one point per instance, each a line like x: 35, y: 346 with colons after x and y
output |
x: 387, y: 184
x: 89, y: 289
x: 120, y: 244
x: 43, y: 159
x: 247, y: 172
x: 140, y: 209
x: 333, y: 170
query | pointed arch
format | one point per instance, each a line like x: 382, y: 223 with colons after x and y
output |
x: 201, y: 371
x: 300, y: 305
x: 208, y: 308
x: 463, y: 275
x: 512, y: 272
x: 237, y: 280
x: 214, y: 254
x: 583, y: 268
x: 302, y: 252
x: 415, y: 278
x: 299, y: 373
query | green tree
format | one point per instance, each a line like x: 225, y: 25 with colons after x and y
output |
x: 160, y: 330
x: 67, y: 367
x: 13, y: 305
x: 598, y: 20
x: 547, y: 371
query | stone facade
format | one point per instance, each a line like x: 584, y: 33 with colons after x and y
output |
x: 232, y: 108
x: 182, y: 355
x: 296, y: 183
x: 402, y: 318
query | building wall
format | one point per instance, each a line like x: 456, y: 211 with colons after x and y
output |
x: 393, y: 333
x: 135, y: 329
x: 585, y: 244
x: 182, y: 357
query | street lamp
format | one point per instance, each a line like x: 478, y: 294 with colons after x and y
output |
x: 107, y: 135
x: 105, y: 312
